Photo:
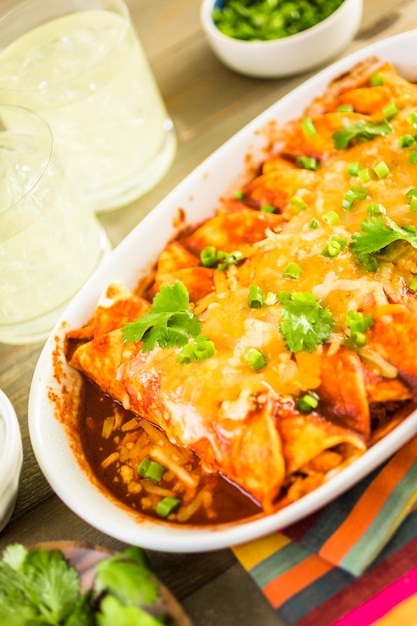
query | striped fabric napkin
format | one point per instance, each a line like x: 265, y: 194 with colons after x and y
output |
x: 354, y: 563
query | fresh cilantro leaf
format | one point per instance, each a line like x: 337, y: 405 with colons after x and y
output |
x: 378, y: 233
x: 127, y: 576
x: 14, y: 555
x: 306, y: 323
x: 53, y: 584
x: 360, y: 131
x: 114, y: 612
x: 82, y: 613
x: 39, y: 588
x: 171, y: 298
x: 36, y: 586
x: 169, y: 323
x: 15, y: 606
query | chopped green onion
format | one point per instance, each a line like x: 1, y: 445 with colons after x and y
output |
x: 412, y: 119
x: 353, y: 168
x: 204, y: 349
x: 331, y: 218
x: 227, y: 259
x: 150, y: 469
x: 381, y: 169
x: 348, y: 200
x: 375, y: 208
x: 308, y: 402
x: 364, y: 175
x: 345, y: 108
x: 360, y: 192
x: 255, y: 358
x: 377, y: 79
x: 293, y: 270
x: 353, y: 194
x: 358, y: 339
x: 256, y: 297
x: 308, y: 127
x: 235, y: 257
x: 390, y: 110
x: 413, y: 284
x: 208, y: 256
x: 405, y: 141
x: 358, y: 322
x: 307, y: 163
x: 413, y: 157
x: 412, y: 194
x: 239, y: 195
x: 166, y: 506
x: 334, y: 247
x: 298, y: 203
x: 260, y: 20
x: 186, y: 355
x: 314, y: 224
x: 143, y: 466
x: 268, y: 208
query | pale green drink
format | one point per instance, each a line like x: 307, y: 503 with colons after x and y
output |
x: 85, y: 72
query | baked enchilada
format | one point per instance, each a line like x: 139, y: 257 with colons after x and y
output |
x: 273, y: 343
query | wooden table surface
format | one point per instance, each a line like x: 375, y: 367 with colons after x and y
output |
x: 208, y: 104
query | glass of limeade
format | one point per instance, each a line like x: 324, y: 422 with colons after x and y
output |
x: 50, y: 240
x: 82, y: 67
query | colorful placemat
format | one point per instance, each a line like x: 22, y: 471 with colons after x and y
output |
x: 352, y: 563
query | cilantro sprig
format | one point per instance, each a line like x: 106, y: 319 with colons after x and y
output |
x: 306, y: 323
x: 39, y: 587
x: 378, y: 233
x: 360, y: 131
x: 169, y: 323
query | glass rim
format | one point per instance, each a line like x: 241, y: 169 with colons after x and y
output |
x: 25, y: 111
x: 24, y: 6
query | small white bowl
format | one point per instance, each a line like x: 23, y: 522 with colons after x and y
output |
x: 287, y: 56
x: 11, y: 459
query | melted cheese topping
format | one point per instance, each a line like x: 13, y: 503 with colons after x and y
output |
x: 246, y: 423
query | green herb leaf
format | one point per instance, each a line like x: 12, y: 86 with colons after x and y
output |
x: 39, y: 588
x: 36, y: 586
x: 360, y: 131
x: 378, y: 233
x: 83, y: 613
x: 127, y: 577
x: 169, y: 323
x: 114, y: 612
x: 306, y: 323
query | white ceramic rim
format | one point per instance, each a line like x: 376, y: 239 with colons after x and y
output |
x: 47, y: 435
x: 208, y: 5
x: 11, y: 453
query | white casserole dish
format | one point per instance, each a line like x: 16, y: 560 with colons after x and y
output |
x: 197, y: 196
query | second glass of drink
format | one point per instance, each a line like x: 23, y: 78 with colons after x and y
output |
x: 50, y: 241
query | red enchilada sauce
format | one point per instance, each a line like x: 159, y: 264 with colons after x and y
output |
x: 113, y: 460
